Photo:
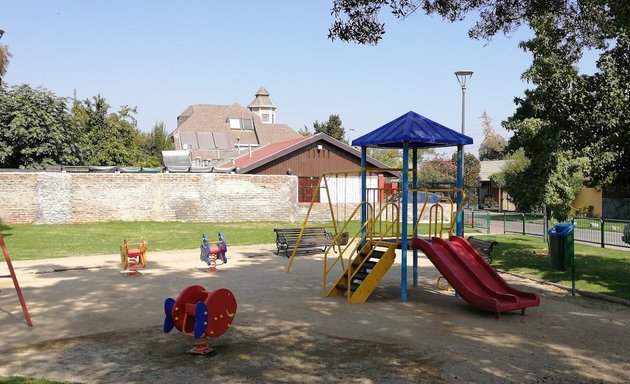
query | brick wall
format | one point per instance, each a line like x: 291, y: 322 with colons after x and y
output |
x: 46, y: 198
x: 59, y: 198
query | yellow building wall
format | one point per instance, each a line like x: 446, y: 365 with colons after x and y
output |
x: 587, y: 197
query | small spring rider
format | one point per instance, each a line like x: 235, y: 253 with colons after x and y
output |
x: 209, y: 253
x: 132, y: 256
x: 200, y: 313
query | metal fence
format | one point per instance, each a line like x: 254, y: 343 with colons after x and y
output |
x: 604, y: 232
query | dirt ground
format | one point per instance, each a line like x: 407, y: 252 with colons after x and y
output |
x: 94, y: 325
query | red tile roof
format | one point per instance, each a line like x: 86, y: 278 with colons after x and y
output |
x: 264, y: 152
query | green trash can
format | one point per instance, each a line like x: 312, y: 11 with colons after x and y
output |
x: 561, y: 245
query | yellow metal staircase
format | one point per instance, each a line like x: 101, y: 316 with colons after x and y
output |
x: 365, y: 271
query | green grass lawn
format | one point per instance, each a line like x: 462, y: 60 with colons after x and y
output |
x: 26, y: 241
x: 601, y: 270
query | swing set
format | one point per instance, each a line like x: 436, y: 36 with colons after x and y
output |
x: 12, y: 275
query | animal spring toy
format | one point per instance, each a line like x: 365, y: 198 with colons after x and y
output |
x: 132, y: 256
x: 209, y: 253
x: 200, y: 313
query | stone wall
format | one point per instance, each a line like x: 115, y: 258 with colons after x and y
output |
x: 63, y: 198
x: 46, y: 198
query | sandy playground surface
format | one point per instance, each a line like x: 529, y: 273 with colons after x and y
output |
x: 94, y: 325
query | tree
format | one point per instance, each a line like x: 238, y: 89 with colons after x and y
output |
x: 602, y: 117
x: 154, y: 143
x: 587, y: 116
x: 333, y: 128
x: 107, y: 138
x: 587, y: 24
x: 437, y: 170
x: 5, y: 55
x: 530, y: 190
x: 387, y: 156
x: 471, y: 176
x: 572, y: 122
x: 37, y: 130
x: 493, y: 145
x: 471, y: 171
x: 304, y: 131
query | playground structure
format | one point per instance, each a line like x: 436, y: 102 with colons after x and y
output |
x: 133, y: 255
x: 200, y: 313
x: 13, y: 277
x: 209, y: 253
x: 382, y: 209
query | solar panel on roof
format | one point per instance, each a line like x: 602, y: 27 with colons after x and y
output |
x: 189, y: 139
x: 221, y: 140
x: 205, y: 140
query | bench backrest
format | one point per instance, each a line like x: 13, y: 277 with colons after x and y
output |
x: 486, y: 245
x: 293, y: 233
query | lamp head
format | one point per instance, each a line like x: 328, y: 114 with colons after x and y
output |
x: 462, y: 76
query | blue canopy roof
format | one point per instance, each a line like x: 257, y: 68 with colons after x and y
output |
x: 415, y: 129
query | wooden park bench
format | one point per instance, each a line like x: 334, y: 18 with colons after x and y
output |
x: 484, y: 247
x: 313, y: 240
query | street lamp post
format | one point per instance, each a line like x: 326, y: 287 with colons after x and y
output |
x: 462, y: 77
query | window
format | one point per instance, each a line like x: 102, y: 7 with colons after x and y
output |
x: 265, y: 117
x: 248, y: 124
x: 235, y: 123
x: 241, y: 123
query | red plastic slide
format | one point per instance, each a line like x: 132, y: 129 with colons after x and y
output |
x: 472, y: 278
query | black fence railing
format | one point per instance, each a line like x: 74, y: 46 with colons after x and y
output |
x: 604, y: 232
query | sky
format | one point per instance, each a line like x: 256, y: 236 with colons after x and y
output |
x: 163, y: 56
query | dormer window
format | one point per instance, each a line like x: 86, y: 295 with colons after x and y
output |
x: 247, y: 124
x: 235, y: 123
x: 241, y: 123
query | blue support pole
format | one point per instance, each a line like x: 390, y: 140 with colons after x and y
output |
x: 363, y: 187
x: 414, y: 178
x: 404, y: 202
x: 459, y: 229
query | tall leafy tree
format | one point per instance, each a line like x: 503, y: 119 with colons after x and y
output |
x: 333, y: 127
x: 5, y: 55
x: 493, y: 145
x: 441, y: 169
x: 304, y: 131
x: 544, y: 124
x: 389, y: 156
x: 107, y: 138
x: 585, y: 115
x: 437, y: 169
x: 37, y: 129
x: 530, y: 189
x: 602, y: 114
x: 154, y: 143
x: 472, y: 167
x: 586, y: 23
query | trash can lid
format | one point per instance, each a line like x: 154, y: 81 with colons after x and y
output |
x: 561, y: 229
